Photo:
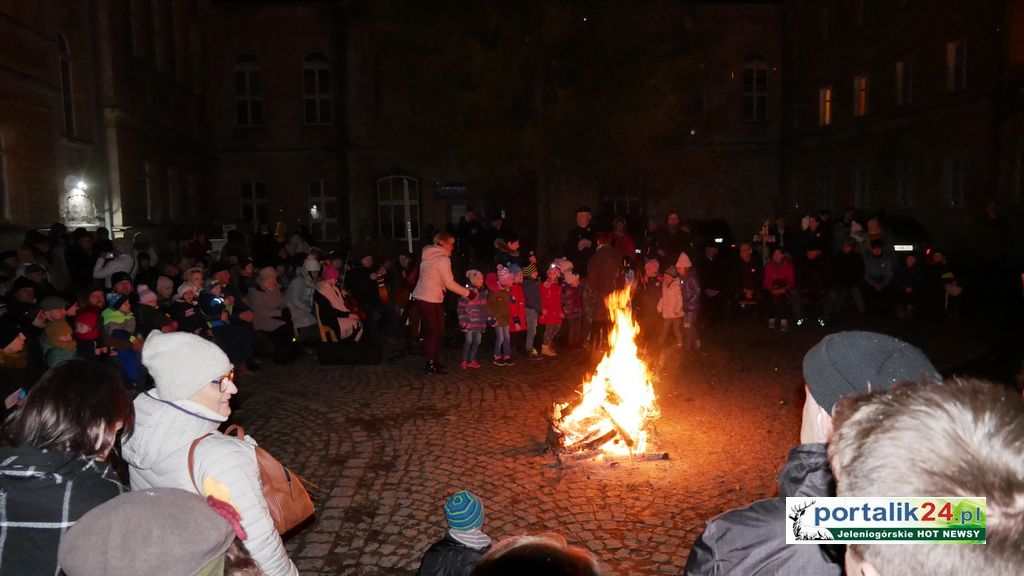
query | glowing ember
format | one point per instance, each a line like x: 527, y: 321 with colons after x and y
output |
x: 618, y: 402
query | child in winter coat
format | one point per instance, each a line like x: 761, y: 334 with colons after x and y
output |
x: 531, y: 292
x: 57, y: 342
x: 690, y: 287
x: 516, y: 301
x: 572, y: 307
x: 498, y: 307
x: 89, y: 336
x: 186, y: 313
x: 119, y: 329
x: 670, y: 306
x: 473, y: 317
x: 551, y: 309
x: 151, y: 317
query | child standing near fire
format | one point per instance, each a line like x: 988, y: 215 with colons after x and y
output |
x: 572, y: 304
x: 671, y: 307
x: 551, y: 309
x: 473, y: 317
x: 498, y: 284
x: 690, y: 287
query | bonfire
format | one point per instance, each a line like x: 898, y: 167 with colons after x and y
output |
x: 617, y: 403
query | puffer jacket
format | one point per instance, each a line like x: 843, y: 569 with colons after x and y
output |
x: 299, y: 298
x: 671, y: 303
x: 448, y: 557
x: 689, y: 285
x: 752, y: 540
x: 436, y: 276
x: 517, y: 308
x: 157, y: 455
x: 473, y: 312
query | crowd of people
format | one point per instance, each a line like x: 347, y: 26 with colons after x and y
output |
x: 118, y: 366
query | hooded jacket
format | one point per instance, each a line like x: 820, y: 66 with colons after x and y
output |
x: 299, y: 298
x: 436, y: 276
x: 52, y: 490
x: 671, y: 303
x: 157, y: 455
x: 497, y: 301
x: 752, y: 540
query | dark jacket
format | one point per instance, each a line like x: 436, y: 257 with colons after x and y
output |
x: 362, y: 288
x: 749, y: 275
x: 531, y: 290
x: 752, y: 540
x: 604, y: 274
x: 579, y: 258
x: 847, y: 269
x: 447, y: 557
x: 52, y: 490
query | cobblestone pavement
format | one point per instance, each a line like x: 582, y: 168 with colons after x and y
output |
x: 385, y: 445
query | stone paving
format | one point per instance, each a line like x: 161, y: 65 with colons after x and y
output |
x: 385, y: 445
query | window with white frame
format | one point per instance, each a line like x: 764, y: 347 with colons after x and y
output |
x: 956, y: 179
x: 860, y: 96
x: 248, y: 91
x: 825, y: 106
x: 904, y: 179
x: 323, y: 210
x: 904, y: 82
x: 316, y: 89
x: 253, y: 203
x: 956, y: 67
x: 861, y: 184
x: 398, y: 203
x: 66, y: 92
x: 755, y: 88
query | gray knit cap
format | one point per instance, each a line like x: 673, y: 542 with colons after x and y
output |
x: 853, y: 362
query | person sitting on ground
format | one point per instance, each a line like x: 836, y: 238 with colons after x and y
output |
x: 58, y: 343
x: 779, y: 281
x: 151, y: 317
x: 752, y: 539
x: 463, y: 544
x: 55, y: 469
x: 118, y: 537
x: 122, y: 337
x: 472, y: 312
x: 299, y: 298
x: 543, y: 555
x: 185, y: 310
x: 268, y: 305
x: 194, y: 386
x: 15, y: 375
x: 960, y: 438
x: 331, y: 308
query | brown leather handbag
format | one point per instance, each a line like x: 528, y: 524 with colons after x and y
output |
x: 287, y: 499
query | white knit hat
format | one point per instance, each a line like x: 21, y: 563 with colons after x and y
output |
x: 182, y: 363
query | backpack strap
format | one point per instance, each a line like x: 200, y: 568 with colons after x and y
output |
x: 237, y: 430
x: 191, y: 460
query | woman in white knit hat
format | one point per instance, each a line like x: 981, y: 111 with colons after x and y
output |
x: 194, y: 385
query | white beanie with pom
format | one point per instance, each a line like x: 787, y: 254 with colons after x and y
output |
x: 182, y: 364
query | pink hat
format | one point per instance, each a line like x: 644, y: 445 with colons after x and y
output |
x: 330, y: 273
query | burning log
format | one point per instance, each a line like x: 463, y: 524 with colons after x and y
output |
x: 622, y: 433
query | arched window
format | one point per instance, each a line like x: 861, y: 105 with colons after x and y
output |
x: 323, y: 209
x: 66, y: 93
x: 253, y: 201
x: 755, y: 88
x: 316, y: 89
x: 248, y: 91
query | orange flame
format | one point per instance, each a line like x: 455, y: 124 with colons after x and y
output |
x: 619, y: 396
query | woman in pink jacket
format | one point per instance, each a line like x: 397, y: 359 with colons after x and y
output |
x: 435, y: 278
x: 779, y: 280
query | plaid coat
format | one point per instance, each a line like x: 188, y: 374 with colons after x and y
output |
x: 42, y: 494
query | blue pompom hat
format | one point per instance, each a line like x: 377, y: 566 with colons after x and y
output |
x: 464, y: 511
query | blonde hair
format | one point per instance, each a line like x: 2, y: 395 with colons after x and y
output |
x: 443, y: 238
x: 962, y: 437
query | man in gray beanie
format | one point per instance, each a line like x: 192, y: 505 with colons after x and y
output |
x: 752, y: 539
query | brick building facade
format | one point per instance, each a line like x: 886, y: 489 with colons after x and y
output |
x: 354, y: 116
